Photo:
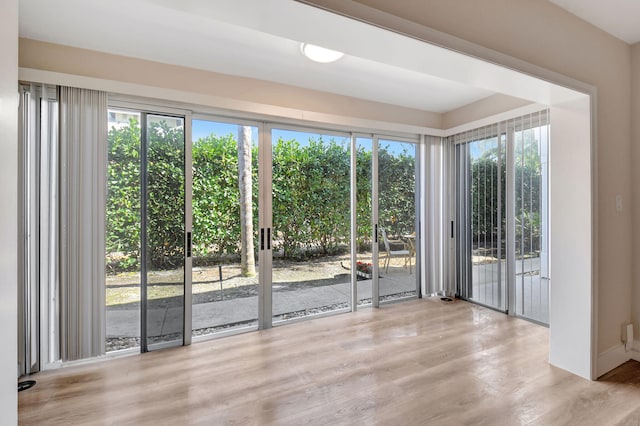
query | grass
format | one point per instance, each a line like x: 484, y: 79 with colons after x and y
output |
x: 119, y: 295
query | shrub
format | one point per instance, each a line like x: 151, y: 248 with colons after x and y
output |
x: 311, y: 197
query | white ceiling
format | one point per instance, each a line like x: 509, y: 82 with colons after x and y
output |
x: 261, y: 39
x: 620, y: 18
x: 149, y: 29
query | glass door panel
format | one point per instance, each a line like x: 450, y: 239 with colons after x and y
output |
x: 123, y: 231
x: 364, y: 230
x: 225, y: 226
x: 397, y: 219
x: 163, y: 229
x: 481, y: 220
x: 311, y: 223
x: 531, y: 283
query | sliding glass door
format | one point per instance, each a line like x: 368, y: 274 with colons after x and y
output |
x: 216, y: 225
x: 123, y: 242
x: 531, y: 221
x: 481, y: 222
x: 163, y: 230
x: 501, y: 216
x: 310, y: 236
x: 225, y: 226
x: 263, y: 247
x: 364, y: 225
x: 146, y: 230
x: 397, y: 236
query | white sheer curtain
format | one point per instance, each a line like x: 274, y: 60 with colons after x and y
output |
x: 436, y: 208
x: 83, y: 159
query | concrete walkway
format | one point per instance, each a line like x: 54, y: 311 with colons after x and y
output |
x: 163, y: 321
x: 532, y: 292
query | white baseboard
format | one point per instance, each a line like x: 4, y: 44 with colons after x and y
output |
x: 614, y: 357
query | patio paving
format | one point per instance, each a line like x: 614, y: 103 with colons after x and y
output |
x: 532, y: 293
x: 242, y: 310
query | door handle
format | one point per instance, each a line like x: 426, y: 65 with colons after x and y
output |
x: 268, y: 238
x: 376, y: 233
x: 189, y: 244
x: 261, y: 238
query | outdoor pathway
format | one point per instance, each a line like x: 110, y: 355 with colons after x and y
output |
x: 532, y: 291
x: 168, y: 320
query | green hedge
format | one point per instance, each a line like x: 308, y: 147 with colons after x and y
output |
x: 311, y: 193
x: 216, y: 198
x: 488, y: 172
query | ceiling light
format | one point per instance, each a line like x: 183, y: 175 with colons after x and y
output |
x: 320, y: 54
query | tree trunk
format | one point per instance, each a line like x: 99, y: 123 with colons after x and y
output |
x: 245, y: 182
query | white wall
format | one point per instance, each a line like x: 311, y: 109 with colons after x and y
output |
x: 8, y: 212
x: 635, y: 159
x: 570, y: 217
x: 486, y: 107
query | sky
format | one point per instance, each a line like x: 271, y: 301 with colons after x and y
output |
x: 202, y: 128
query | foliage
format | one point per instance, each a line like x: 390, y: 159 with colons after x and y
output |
x: 165, y: 216
x: 216, y: 198
x: 365, y: 268
x: 488, y: 182
x: 363, y: 196
x: 123, y: 201
x: 528, y: 198
x: 311, y: 196
x: 311, y: 187
x: 488, y: 178
x: 165, y: 198
x: 396, y: 177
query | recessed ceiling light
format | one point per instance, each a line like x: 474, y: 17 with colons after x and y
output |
x: 320, y: 54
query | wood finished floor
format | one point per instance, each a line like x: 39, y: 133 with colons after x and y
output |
x: 421, y: 362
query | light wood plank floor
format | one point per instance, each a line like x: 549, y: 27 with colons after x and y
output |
x: 418, y: 362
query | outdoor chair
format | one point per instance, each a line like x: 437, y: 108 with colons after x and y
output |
x: 406, y: 252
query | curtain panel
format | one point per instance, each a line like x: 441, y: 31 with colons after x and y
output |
x: 83, y: 162
x: 438, y: 279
